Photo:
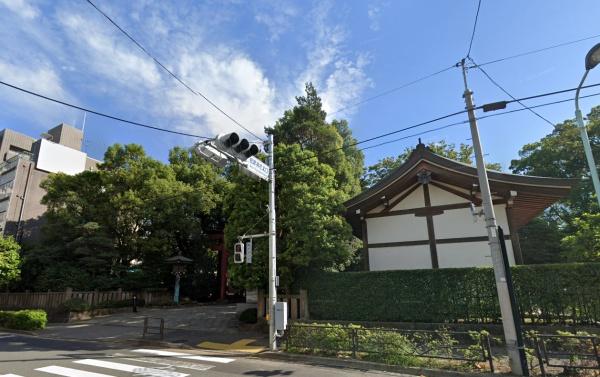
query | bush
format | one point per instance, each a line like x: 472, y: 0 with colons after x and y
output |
x: 566, y: 293
x: 249, y: 315
x: 24, y: 319
x: 121, y: 303
x: 75, y: 305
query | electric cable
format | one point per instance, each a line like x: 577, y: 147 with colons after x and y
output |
x: 100, y: 113
x: 508, y: 94
x: 193, y: 91
x: 474, y: 29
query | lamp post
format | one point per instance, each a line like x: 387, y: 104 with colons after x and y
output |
x: 591, y: 60
x: 179, y: 263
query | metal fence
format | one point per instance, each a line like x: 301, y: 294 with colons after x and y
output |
x: 569, y: 352
x: 392, y: 346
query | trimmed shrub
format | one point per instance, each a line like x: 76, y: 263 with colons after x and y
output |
x: 553, y: 293
x: 121, y: 303
x: 24, y: 319
x: 75, y: 305
x: 249, y: 315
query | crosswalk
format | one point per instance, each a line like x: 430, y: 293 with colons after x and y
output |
x: 136, y: 362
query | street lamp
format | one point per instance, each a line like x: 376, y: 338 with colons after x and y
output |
x: 591, y: 60
x: 179, y: 263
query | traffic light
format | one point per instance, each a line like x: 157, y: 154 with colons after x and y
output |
x: 238, y: 252
x: 239, y: 148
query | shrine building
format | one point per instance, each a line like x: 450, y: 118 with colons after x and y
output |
x: 427, y: 213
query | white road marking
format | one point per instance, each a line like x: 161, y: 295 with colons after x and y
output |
x: 188, y: 356
x: 2, y: 336
x: 173, y: 363
x: 10, y: 375
x: 130, y: 368
x: 69, y: 372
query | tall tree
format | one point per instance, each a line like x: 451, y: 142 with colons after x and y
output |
x: 117, y: 225
x: 560, y: 154
x: 311, y: 231
x: 332, y: 142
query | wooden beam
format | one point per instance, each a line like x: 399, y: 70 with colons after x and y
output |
x: 430, y: 230
x: 365, y: 250
x: 401, y: 198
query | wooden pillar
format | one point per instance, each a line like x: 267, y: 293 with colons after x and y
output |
x: 365, y: 250
x: 430, y: 229
x: 514, y: 235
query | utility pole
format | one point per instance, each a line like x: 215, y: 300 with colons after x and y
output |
x: 508, y: 320
x: 272, y: 249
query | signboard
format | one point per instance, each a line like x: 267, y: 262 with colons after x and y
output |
x: 249, y: 251
x: 257, y: 167
x: 57, y: 158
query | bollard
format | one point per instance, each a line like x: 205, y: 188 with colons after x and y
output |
x: 134, y: 303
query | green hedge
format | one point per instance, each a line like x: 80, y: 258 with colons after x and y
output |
x: 23, y: 319
x: 564, y: 293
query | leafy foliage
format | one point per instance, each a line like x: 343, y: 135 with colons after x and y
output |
x: 549, y: 293
x: 314, y: 177
x: 560, y: 154
x: 114, y: 227
x: 383, y: 167
x: 23, y: 319
x: 584, y: 244
x: 9, y: 260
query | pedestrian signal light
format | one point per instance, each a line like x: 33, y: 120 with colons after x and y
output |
x: 238, y: 252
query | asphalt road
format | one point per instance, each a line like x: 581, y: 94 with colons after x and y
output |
x: 29, y: 356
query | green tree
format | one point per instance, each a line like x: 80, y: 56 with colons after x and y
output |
x: 560, y: 154
x: 311, y: 231
x: 584, y: 244
x: 116, y: 226
x: 332, y: 142
x: 9, y: 260
x: 383, y: 167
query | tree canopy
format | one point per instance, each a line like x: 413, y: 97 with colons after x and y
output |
x: 115, y: 226
x: 9, y: 260
x: 461, y: 153
x: 314, y: 177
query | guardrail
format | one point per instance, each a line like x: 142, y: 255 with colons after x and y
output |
x: 389, y: 345
x: 148, y: 328
x: 570, y: 352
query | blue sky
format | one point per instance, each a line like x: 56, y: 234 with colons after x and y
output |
x: 253, y: 57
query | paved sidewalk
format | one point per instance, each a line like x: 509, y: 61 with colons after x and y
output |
x: 188, y: 325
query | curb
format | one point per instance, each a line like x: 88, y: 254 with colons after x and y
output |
x: 365, y: 365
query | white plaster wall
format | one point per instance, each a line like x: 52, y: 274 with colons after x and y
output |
x: 416, y: 199
x: 441, y: 197
x: 399, y: 258
x: 456, y: 223
x: 468, y: 254
x: 396, y: 228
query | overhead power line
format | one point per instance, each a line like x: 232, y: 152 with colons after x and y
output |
x: 518, y: 100
x: 392, y: 90
x: 508, y: 94
x: 538, y: 50
x: 173, y: 75
x: 498, y: 60
x: 91, y: 111
x: 474, y: 29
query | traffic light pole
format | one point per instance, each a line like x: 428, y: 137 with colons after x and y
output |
x: 508, y: 320
x: 272, y: 248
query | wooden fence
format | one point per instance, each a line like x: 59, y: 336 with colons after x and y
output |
x: 52, y: 300
x: 297, y: 304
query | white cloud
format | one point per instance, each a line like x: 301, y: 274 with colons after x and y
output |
x: 42, y: 79
x: 232, y: 81
x: 22, y: 8
x: 277, y: 16
x: 107, y: 55
x: 340, y: 79
x: 373, y: 14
